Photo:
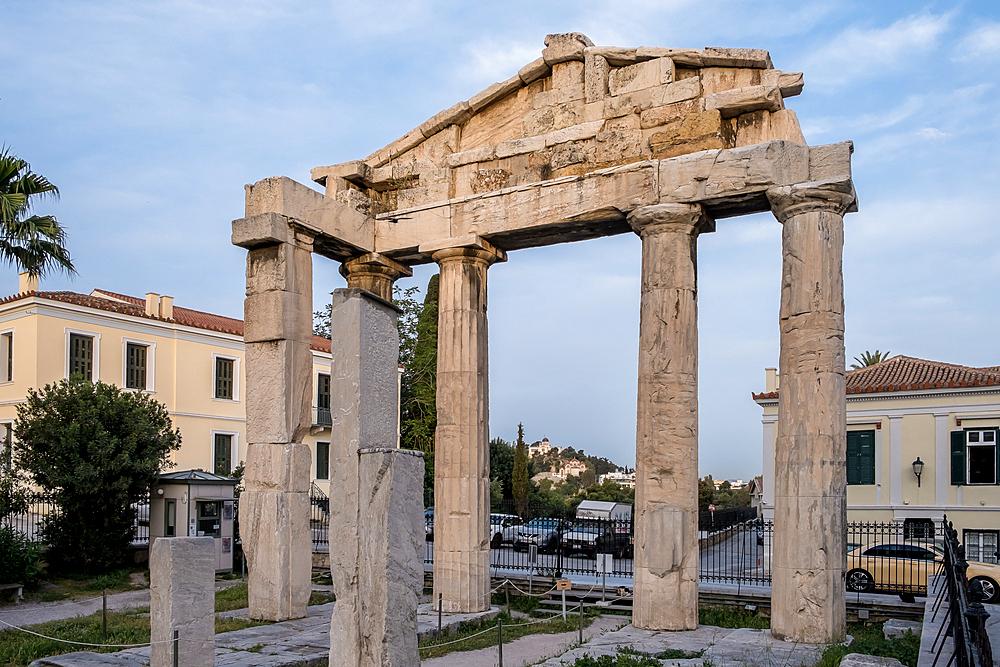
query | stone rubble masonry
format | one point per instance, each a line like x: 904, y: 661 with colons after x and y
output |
x: 666, y: 527
x: 808, y: 596
x: 364, y: 398
x: 461, y: 457
x: 274, y: 510
x: 182, y: 598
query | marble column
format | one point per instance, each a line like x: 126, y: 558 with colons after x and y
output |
x: 375, y: 273
x: 274, y: 508
x: 666, y: 497
x: 810, y: 450
x: 462, y: 455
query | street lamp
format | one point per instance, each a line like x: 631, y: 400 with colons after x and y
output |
x: 918, y: 467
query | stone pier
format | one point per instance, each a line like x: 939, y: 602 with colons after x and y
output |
x: 462, y: 455
x: 666, y: 501
x: 182, y: 598
x: 274, y: 508
x: 376, y: 558
x: 810, y: 451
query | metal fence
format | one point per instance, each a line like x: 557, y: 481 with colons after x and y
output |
x: 889, y: 557
x: 961, y: 602
x: 40, y: 506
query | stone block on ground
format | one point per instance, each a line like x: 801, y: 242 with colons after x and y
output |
x: 896, y: 627
x: 862, y: 660
x: 182, y: 599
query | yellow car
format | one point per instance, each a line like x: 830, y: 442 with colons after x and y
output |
x: 905, y: 567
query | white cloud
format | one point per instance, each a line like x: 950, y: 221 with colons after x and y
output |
x: 868, y: 52
x: 489, y: 60
x: 983, y: 43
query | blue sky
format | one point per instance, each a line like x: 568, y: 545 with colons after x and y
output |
x: 151, y: 116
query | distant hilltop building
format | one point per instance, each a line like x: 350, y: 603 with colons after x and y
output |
x: 734, y: 484
x: 572, y: 467
x: 626, y: 479
x: 542, y: 448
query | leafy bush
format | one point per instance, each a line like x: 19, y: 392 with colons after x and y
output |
x: 18, y: 557
x: 96, y: 448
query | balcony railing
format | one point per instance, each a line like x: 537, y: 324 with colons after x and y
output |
x: 322, y: 417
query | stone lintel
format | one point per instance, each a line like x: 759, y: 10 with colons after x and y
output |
x: 687, y: 218
x: 340, y: 230
x: 258, y: 231
x: 833, y: 194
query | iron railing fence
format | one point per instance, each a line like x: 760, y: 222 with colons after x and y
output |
x: 709, y: 522
x: 882, y: 557
x: 40, y: 506
x: 966, y: 616
x: 319, y: 518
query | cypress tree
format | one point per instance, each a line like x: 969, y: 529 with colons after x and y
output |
x: 520, y: 477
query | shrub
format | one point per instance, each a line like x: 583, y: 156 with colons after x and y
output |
x: 18, y: 557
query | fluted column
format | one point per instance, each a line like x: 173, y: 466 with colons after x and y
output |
x: 810, y: 451
x: 375, y: 273
x: 461, y: 455
x: 666, y: 496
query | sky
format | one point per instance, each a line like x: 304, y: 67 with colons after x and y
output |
x: 151, y: 116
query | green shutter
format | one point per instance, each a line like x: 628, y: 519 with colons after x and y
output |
x: 861, y: 457
x: 866, y: 456
x: 957, y: 457
x: 996, y: 452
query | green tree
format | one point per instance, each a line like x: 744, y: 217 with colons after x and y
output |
x: 418, y: 398
x: 502, y: 466
x: 33, y: 243
x: 588, y: 478
x: 869, y: 359
x: 97, y: 448
x: 520, y: 482
x: 706, y: 493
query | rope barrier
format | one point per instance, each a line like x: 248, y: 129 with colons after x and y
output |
x: 67, y: 641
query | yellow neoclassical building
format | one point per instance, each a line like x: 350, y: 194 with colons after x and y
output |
x: 907, y: 416
x: 190, y: 361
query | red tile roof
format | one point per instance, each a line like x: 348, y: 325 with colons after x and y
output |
x: 910, y: 374
x: 136, y: 307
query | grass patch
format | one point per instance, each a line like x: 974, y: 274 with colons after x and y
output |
x: 321, y: 597
x: 130, y: 626
x: 512, y: 629
x: 522, y: 603
x: 869, y: 640
x: 728, y: 618
x: 75, y: 586
x: 124, y: 627
x: 234, y: 597
x: 629, y: 657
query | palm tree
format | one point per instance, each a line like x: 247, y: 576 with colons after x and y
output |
x: 869, y: 359
x: 33, y: 243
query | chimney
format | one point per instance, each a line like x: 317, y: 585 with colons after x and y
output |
x: 167, y: 307
x: 152, y: 304
x: 27, y: 283
x: 770, y: 379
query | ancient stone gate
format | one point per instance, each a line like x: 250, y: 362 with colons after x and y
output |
x: 584, y: 142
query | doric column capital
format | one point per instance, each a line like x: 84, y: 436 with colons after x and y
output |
x: 468, y: 247
x: 659, y: 218
x: 835, y: 195
x: 375, y: 273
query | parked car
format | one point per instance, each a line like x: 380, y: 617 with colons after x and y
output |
x: 499, y: 523
x: 542, y: 532
x: 595, y: 538
x: 905, y: 567
x: 429, y: 524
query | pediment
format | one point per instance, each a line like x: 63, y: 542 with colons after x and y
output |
x: 576, y: 109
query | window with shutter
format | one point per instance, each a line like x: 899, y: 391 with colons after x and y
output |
x: 223, y: 454
x: 957, y: 458
x: 860, y: 457
x: 81, y: 356
x: 135, y: 366
x: 224, y: 378
x: 322, y: 460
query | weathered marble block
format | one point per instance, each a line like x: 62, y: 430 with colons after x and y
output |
x: 182, y: 598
